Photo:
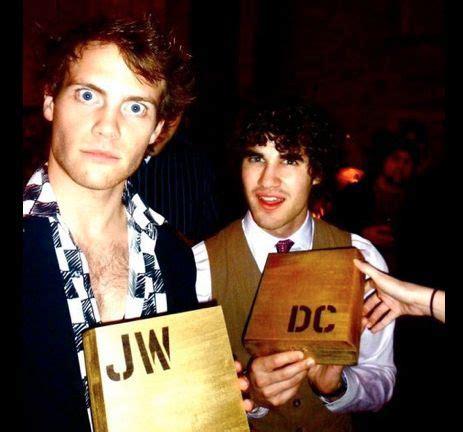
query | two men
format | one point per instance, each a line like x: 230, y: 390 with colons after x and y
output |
x: 285, y: 150
x: 94, y: 253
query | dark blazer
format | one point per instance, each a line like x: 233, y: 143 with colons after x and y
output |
x: 181, y: 184
x: 51, y: 389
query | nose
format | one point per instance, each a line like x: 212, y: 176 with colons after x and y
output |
x: 107, y: 123
x: 269, y: 177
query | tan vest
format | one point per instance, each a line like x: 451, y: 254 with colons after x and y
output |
x: 235, y: 278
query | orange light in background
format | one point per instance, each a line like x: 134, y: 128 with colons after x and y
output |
x: 348, y: 175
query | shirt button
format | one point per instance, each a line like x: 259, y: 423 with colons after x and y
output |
x: 300, y: 429
x: 297, y: 403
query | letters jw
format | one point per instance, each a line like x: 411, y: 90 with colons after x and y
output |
x: 154, y: 349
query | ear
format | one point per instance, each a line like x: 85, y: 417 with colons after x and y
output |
x: 166, y: 134
x: 157, y: 131
x: 48, y: 107
x: 158, y: 147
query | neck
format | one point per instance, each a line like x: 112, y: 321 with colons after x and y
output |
x: 90, y: 213
x: 287, y: 230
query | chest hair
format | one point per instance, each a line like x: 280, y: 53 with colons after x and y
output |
x: 109, y: 267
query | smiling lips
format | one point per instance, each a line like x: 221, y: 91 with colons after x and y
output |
x: 269, y: 201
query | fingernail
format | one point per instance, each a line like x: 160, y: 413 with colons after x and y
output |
x: 310, y: 362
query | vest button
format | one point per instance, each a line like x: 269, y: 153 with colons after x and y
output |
x: 296, y: 403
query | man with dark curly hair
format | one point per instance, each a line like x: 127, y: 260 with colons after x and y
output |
x: 286, y: 148
x: 93, y: 252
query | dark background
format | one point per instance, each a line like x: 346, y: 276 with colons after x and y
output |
x: 372, y: 64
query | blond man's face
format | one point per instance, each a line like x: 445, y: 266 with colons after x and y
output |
x: 103, y: 119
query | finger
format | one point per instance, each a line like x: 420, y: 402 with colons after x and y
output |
x: 370, y: 293
x: 370, y: 287
x: 238, y: 366
x: 387, y: 319
x: 366, y: 268
x: 283, y: 397
x: 272, y: 390
x: 275, y: 361
x: 324, y: 373
x: 371, y: 304
x: 243, y: 383
x: 364, y: 324
x: 378, y: 313
x: 283, y: 374
x: 248, y: 405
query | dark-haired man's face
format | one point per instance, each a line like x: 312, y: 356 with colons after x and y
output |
x: 398, y: 167
x: 277, y: 188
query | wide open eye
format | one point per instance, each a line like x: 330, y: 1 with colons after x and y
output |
x: 86, y: 95
x: 134, y: 108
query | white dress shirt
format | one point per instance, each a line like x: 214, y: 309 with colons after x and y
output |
x: 370, y: 383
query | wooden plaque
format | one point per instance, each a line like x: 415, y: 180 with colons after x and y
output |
x: 309, y: 301
x: 168, y: 373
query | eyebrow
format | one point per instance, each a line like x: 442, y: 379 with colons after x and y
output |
x: 127, y: 98
x: 286, y: 156
x: 292, y: 156
x: 248, y: 152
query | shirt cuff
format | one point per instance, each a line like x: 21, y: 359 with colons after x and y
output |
x: 345, y: 386
x: 258, y: 412
x: 346, y: 400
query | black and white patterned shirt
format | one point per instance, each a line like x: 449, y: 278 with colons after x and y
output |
x: 146, y: 292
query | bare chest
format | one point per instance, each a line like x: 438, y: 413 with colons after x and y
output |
x: 109, y: 275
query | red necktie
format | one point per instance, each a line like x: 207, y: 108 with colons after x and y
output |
x: 284, y: 246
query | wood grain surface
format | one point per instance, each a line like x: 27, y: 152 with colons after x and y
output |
x: 168, y: 373
x: 310, y: 301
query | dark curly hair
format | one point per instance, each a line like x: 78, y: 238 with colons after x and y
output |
x: 296, y: 126
x: 146, y: 49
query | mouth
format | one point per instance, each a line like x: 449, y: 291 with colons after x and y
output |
x: 269, y: 201
x: 101, y: 156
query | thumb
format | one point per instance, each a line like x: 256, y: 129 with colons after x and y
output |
x: 366, y: 268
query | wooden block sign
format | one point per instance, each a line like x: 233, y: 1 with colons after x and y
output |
x: 309, y: 301
x: 168, y: 373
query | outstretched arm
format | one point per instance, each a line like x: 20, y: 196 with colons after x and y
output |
x: 394, y: 298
